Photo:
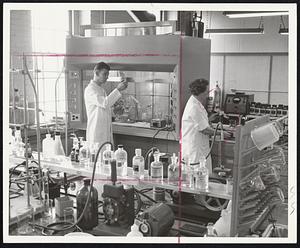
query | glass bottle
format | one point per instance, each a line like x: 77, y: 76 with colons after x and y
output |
x: 90, y: 217
x: 202, y: 175
x: 72, y: 155
x: 107, y: 157
x: 210, y: 230
x: 11, y: 142
x: 156, y: 168
x: 84, y: 154
x: 184, y: 170
x: 150, y: 159
x: 19, y: 145
x: 29, y: 149
x: 121, y: 159
x: 47, y: 147
x: 138, y: 164
x: 173, y: 170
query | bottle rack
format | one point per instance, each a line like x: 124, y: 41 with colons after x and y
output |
x: 255, y: 194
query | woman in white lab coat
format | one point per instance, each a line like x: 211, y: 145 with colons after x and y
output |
x: 98, y: 105
x: 195, y: 124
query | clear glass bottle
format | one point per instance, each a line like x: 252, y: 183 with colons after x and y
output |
x: 202, y: 175
x: 92, y: 154
x: 173, y: 170
x: 19, y: 145
x: 121, y: 160
x: 107, y: 156
x: 58, y: 147
x: 184, y: 171
x: 84, y: 154
x: 210, y: 230
x: 47, y: 147
x: 138, y: 164
x: 156, y: 168
x: 12, y: 150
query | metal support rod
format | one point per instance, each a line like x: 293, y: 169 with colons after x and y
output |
x: 37, y: 128
x: 25, y: 133
x: 56, y: 96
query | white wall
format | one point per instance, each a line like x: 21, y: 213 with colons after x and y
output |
x: 255, y: 63
x: 270, y: 41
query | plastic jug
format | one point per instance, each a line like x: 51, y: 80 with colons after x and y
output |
x: 47, y: 147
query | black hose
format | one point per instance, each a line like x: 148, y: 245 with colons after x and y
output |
x: 87, y: 201
x: 214, y: 138
x: 148, y: 197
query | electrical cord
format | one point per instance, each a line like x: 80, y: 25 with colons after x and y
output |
x: 86, y: 203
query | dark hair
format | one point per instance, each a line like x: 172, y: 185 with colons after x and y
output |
x: 100, y: 66
x: 198, y: 86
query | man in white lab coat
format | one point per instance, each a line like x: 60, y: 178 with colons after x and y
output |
x: 195, y: 124
x: 98, y: 105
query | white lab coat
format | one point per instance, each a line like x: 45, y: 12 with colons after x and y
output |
x: 98, y: 108
x: 194, y: 143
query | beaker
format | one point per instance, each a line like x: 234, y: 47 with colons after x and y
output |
x: 69, y: 215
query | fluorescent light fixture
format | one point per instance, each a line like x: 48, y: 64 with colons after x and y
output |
x: 235, y: 31
x: 284, y: 31
x: 243, y: 14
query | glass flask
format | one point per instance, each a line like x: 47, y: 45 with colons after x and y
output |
x: 173, y: 170
x: 58, y: 147
x: 156, y: 168
x: 121, y: 159
x: 138, y: 164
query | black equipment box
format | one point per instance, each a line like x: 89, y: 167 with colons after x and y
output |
x: 238, y: 103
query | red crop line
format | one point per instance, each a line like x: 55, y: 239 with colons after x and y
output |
x: 98, y: 55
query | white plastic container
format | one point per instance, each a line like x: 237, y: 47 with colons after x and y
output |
x: 135, y: 232
x: 138, y: 164
x: 47, y: 147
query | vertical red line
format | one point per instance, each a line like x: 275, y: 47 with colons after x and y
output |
x: 180, y: 135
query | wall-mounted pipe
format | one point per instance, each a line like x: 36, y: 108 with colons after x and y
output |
x: 70, y: 23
